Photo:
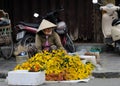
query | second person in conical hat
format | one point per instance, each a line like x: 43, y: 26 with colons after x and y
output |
x: 46, y: 38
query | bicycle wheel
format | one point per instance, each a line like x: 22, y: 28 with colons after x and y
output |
x: 7, y: 49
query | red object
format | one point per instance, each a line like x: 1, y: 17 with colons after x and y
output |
x: 31, y: 29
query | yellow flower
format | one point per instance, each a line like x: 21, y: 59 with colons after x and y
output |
x: 58, y: 65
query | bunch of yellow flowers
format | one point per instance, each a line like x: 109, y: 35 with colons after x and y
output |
x: 58, y: 65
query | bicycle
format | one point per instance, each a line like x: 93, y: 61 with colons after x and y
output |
x: 6, y: 41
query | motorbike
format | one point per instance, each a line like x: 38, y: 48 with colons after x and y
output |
x: 26, y: 31
x: 111, y: 25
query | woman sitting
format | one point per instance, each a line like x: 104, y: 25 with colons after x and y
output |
x: 46, y: 38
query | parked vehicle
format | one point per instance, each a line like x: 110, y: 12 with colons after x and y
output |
x: 6, y: 42
x: 111, y: 25
x: 26, y: 31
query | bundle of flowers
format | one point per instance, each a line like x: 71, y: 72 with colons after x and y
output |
x: 58, y: 66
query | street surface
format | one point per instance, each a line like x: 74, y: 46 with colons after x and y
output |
x: 93, y: 82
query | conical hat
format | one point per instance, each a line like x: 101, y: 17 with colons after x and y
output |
x: 45, y: 24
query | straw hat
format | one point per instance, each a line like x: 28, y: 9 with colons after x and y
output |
x: 45, y: 24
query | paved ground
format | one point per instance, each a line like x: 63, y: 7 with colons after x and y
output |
x: 94, y: 82
x: 7, y: 65
x: 110, y: 64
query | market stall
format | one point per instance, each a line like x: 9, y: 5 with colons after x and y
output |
x: 58, y: 67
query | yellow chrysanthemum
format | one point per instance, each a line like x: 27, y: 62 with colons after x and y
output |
x: 58, y: 65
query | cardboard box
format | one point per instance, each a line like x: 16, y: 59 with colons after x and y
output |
x: 21, y: 59
x: 91, y: 59
x: 23, y: 77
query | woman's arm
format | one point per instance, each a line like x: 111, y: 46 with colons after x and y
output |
x: 58, y: 41
x: 38, y: 42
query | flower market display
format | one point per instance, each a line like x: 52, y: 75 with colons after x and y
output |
x: 58, y: 66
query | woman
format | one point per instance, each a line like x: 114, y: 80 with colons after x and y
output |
x: 46, y: 38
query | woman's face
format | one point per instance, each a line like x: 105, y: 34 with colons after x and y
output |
x: 47, y: 31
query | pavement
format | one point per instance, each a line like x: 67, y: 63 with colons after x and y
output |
x: 110, y: 66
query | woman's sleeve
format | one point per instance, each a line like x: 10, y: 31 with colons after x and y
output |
x: 38, y: 42
x: 58, y: 41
